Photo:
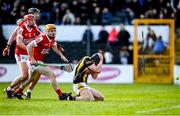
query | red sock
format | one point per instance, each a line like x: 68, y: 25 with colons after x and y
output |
x: 30, y: 88
x: 59, y: 92
x: 19, y: 91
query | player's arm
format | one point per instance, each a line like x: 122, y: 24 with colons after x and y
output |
x: 19, y: 39
x: 97, y: 68
x: 29, y: 48
x: 94, y: 74
x: 12, y: 37
x: 10, y: 41
x: 58, y: 51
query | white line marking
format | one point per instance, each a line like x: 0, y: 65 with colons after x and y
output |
x: 157, y: 109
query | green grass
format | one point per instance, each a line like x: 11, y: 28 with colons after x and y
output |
x: 134, y: 99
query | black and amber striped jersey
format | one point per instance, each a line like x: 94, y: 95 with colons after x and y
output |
x: 81, y: 71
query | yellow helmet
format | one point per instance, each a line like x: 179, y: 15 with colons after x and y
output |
x: 49, y: 27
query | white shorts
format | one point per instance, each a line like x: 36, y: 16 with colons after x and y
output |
x: 79, y: 87
x: 21, y: 58
x: 32, y: 68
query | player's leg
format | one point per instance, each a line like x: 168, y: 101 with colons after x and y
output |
x: 32, y: 76
x: 47, y: 72
x: 32, y: 85
x: 83, y: 92
x: 22, y: 77
x: 97, y: 95
x: 85, y: 95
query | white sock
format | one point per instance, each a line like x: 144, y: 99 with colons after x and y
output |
x: 9, y: 88
x: 29, y: 90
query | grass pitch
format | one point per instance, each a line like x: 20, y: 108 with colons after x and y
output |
x: 134, y: 99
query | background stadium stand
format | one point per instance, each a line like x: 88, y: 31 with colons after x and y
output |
x: 122, y: 11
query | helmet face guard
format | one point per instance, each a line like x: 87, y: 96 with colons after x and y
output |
x: 96, y: 58
x: 33, y: 10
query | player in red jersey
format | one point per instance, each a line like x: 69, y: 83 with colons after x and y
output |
x: 37, y: 50
x: 26, y: 32
x: 12, y: 38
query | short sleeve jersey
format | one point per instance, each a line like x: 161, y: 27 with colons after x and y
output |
x: 43, y: 46
x: 81, y: 72
x: 28, y: 36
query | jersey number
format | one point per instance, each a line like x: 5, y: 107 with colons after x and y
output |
x: 45, y: 51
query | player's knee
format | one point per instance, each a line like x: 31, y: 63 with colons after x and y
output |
x: 52, y: 75
x: 89, y: 98
x: 101, y: 98
x: 24, y: 77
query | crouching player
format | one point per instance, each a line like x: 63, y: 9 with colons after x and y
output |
x: 37, y: 49
x: 87, y: 65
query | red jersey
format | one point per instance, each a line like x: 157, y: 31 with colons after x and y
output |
x: 21, y: 23
x: 28, y: 36
x: 43, y: 46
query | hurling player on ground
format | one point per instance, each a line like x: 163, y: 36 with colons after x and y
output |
x: 37, y: 50
x: 87, y: 65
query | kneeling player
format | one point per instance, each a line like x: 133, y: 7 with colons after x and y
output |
x: 87, y: 65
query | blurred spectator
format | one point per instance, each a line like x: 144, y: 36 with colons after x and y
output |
x: 123, y: 37
x: 112, y: 38
x: 96, y: 16
x: 56, y: 17
x: 151, y: 14
x: 159, y: 46
x: 108, y: 56
x: 175, y: 4
x: 14, y: 15
x: 129, y: 16
x: 125, y: 10
x: 55, y: 13
x: 2, y: 40
x: 84, y: 10
x: 134, y: 5
x: 123, y: 56
x: 77, y: 21
x: 45, y: 15
x: 103, y: 35
x: 36, y: 3
x: 150, y: 39
x: 87, y: 36
x: 62, y: 10
x: 74, y: 6
x: 68, y: 18
x: 23, y: 11
x: 106, y: 17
